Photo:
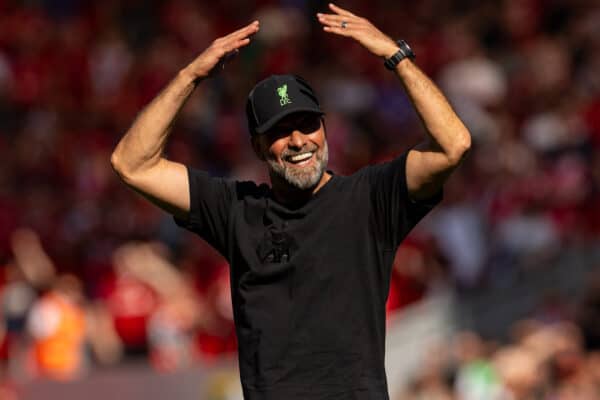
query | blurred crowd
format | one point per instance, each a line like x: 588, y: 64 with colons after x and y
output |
x: 91, y: 274
x: 145, y: 308
x: 542, y: 361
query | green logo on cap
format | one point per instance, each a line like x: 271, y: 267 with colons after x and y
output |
x: 283, y: 95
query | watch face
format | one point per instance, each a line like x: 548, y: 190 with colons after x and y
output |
x: 406, y: 49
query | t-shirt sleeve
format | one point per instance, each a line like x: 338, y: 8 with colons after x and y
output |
x: 210, y: 204
x: 394, y: 213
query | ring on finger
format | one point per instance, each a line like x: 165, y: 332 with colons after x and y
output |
x: 344, y: 24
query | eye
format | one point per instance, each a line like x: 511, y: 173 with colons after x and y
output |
x: 305, y: 124
x: 278, y: 132
x: 309, y: 124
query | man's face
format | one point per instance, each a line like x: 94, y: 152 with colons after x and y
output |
x: 295, y: 149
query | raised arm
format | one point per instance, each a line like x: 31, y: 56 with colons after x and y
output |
x: 429, y: 164
x: 138, y: 158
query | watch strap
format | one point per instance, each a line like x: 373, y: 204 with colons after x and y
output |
x: 404, y: 51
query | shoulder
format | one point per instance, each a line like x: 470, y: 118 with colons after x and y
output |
x: 388, y: 167
x: 204, y: 183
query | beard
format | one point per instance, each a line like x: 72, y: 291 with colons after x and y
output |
x: 302, y: 178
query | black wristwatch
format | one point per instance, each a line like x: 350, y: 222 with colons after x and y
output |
x: 403, y: 52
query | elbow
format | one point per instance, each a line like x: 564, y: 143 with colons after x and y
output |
x: 118, y: 165
x: 129, y: 170
x: 460, y: 148
x: 115, y: 162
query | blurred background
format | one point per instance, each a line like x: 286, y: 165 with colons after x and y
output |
x: 495, y: 295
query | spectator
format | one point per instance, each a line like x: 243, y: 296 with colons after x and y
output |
x: 58, y: 329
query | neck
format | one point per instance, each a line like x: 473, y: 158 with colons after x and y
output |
x: 287, y: 194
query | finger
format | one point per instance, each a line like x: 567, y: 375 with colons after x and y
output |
x: 340, y: 11
x: 339, y: 31
x: 334, y: 24
x: 233, y: 51
x: 234, y: 47
x: 339, y: 18
x: 339, y: 21
x: 247, y: 30
x: 342, y: 21
x: 232, y: 41
x: 242, y: 43
x: 251, y: 26
x: 235, y: 44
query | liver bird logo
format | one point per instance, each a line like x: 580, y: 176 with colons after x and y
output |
x: 283, y: 95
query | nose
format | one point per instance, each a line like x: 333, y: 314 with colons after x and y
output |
x: 296, y: 139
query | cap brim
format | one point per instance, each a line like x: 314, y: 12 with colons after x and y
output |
x: 270, y: 123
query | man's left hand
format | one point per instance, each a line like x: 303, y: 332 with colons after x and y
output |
x: 344, y: 23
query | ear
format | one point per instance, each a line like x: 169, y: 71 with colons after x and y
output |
x: 257, y: 147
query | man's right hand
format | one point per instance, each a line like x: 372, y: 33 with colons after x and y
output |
x: 138, y: 158
x: 220, y: 52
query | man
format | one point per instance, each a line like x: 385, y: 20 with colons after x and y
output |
x: 310, y: 255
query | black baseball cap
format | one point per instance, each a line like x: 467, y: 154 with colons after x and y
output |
x: 276, y: 97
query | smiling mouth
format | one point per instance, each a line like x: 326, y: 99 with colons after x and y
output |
x: 300, y: 159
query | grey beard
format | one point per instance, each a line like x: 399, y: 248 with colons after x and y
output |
x: 302, y: 178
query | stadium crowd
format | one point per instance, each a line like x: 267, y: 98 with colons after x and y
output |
x: 93, y: 275
x: 541, y: 362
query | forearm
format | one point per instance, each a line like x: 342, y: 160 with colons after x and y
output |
x: 143, y: 144
x: 446, y: 131
x: 429, y: 164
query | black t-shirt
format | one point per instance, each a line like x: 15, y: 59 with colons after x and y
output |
x: 309, y: 285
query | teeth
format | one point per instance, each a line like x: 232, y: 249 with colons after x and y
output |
x: 301, y: 157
